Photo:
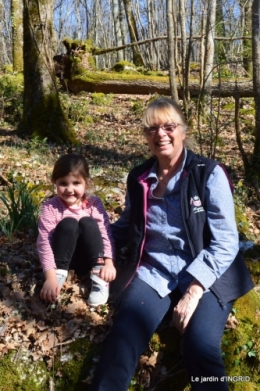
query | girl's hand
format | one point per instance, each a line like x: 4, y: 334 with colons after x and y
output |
x: 108, y: 271
x: 50, y: 290
x: 187, y: 305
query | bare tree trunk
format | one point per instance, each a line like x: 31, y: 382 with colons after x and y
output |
x: 188, y: 57
x: 17, y: 32
x: 182, y: 16
x: 220, y: 30
x: 95, y: 27
x: 209, y: 58
x: 79, y: 33
x: 238, y: 134
x: 117, y: 28
x: 151, y: 28
x: 42, y: 113
x: 256, y: 73
x: 202, y: 45
x: 122, y: 21
x: 171, y: 50
x: 1, y: 34
x: 246, y: 12
x: 137, y: 56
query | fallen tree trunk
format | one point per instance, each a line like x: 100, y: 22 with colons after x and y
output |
x: 146, y: 87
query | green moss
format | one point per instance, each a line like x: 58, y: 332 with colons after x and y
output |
x: 22, y: 375
x: 11, y: 92
x: 129, y: 72
x: 89, y: 120
x: 240, y: 346
x: 16, y: 81
x: 123, y: 65
x: 247, y: 112
x: 137, y: 107
x: 241, y: 219
x: 194, y: 66
x: 254, y: 268
x: 99, y: 76
x: 74, y: 44
x: 79, y: 52
x: 100, y: 99
x: 154, y: 73
x: 229, y: 106
x: 8, y: 68
x: 92, y: 62
x: 47, y: 120
x: 78, y: 366
x: 155, y: 343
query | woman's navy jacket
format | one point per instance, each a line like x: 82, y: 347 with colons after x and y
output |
x: 233, y: 283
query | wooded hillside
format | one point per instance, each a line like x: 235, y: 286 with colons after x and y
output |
x: 75, y: 76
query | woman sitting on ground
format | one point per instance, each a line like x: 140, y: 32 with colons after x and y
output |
x: 180, y: 230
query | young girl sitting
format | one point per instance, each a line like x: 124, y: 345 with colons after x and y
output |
x: 74, y: 233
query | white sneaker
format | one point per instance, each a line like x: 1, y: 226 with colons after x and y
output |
x: 61, y: 276
x: 99, y: 291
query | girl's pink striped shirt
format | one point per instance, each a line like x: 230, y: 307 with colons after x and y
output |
x: 54, y: 210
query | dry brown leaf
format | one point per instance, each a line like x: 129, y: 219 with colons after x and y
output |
x: 153, y: 359
x: 143, y: 359
x: 18, y: 295
x: 77, y: 307
x: 2, y: 346
x: 42, y: 337
x: 3, y: 330
x: 45, y: 346
x: 51, y: 340
x: 41, y: 326
x: 11, y: 346
x: 76, y: 289
x: 232, y: 322
x: 96, y: 318
x: 62, y: 333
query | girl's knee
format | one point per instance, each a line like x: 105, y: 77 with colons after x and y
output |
x: 68, y: 224
x: 88, y: 222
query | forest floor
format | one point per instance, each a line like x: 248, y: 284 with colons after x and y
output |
x: 110, y: 135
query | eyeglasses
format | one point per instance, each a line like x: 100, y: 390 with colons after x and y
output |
x: 152, y: 130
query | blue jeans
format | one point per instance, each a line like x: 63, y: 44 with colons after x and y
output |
x: 140, y: 313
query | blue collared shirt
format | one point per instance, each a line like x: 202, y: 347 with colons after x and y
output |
x: 167, y: 261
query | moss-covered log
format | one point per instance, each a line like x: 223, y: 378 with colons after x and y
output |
x: 146, y: 85
x: 77, y: 68
x: 43, y: 115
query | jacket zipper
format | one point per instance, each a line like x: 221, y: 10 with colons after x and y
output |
x: 193, y: 253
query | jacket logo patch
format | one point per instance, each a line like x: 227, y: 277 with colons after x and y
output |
x: 197, y: 204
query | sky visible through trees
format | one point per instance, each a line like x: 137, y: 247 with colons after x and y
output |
x: 95, y: 19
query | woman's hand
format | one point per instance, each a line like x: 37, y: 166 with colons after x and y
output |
x: 108, y: 271
x: 50, y: 290
x: 187, y: 305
